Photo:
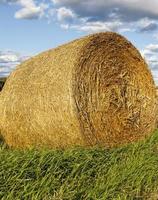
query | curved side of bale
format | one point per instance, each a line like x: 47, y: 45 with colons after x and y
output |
x: 37, y: 106
x: 95, y: 90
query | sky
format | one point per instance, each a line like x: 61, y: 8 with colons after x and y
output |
x: 28, y: 27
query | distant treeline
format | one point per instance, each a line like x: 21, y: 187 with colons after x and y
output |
x: 2, y: 82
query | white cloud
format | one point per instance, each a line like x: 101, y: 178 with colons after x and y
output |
x: 146, y: 25
x: 65, y: 26
x: 6, y: 57
x: 65, y: 14
x: 140, y: 7
x: 100, y: 15
x: 26, y: 3
x: 97, y: 26
x: 132, y: 15
x: 150, y: 53
x: 28, y: 13
x: 152, y: 48
x: 9, y: 60
x: 30, y: 9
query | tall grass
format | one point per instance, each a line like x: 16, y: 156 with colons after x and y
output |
x: 129, y: 172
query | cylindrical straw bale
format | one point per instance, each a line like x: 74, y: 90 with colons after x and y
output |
x: 96, y: 90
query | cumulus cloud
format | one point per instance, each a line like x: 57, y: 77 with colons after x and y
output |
x: 97, y: 26
x: 25, y: 13
x: 9, y: 56
x: 29, y: 9
x: 150, y: 53
x: 65, y: 14
x: 91, y: 15
x: 147, y: 25
x: 150, y: 27
x: 136, y: 9
x: 131, y: 15
x: 153, y: 48
x: 9, y: 60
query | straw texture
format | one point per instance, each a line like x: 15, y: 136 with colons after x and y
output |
x: 96, y: 90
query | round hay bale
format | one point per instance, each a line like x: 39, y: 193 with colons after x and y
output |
x: 96, y: 90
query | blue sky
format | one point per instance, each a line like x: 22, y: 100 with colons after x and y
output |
x: 28, y: 27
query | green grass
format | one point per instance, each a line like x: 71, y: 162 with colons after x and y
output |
x: 130, y: 172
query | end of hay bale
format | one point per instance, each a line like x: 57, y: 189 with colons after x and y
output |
x: 114, y: 91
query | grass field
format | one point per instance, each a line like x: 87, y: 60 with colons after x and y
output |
x: 130, y: 172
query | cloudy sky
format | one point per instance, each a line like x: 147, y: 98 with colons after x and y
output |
x: 28, y: 27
